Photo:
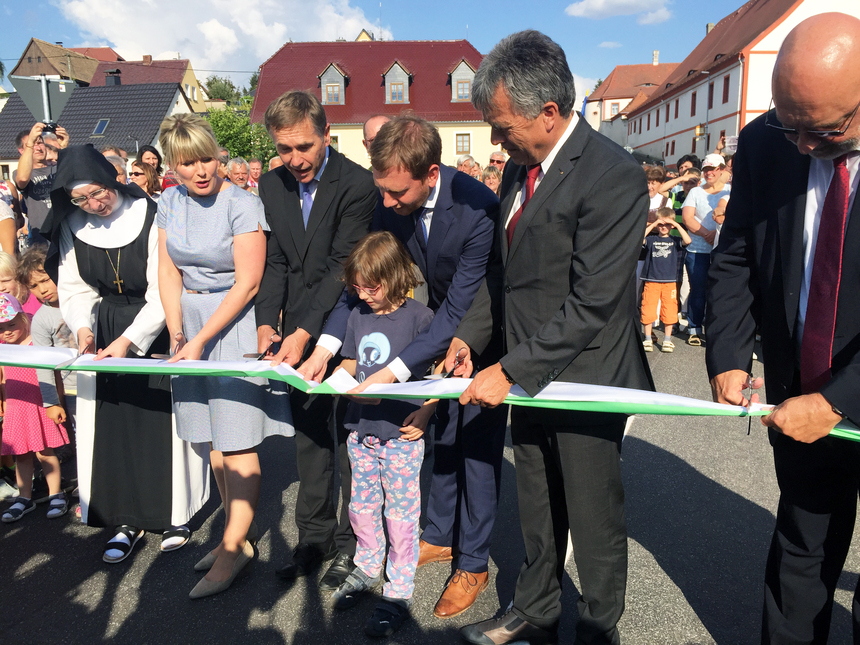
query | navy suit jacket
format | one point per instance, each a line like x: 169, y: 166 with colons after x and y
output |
x: 757, y: 270
x: 454, y: 265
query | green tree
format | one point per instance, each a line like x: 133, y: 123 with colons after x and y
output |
x: 234, y: 131
x: 597, y: 84
x: 255, y: 78
x: 221, y: 88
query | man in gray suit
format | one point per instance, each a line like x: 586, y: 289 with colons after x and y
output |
x: 561, y: 291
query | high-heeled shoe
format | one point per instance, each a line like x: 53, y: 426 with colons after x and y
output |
x: 210, y: 588
x: 208, y: 560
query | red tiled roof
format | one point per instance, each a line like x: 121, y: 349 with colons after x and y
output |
x: 135, y: 72
x: 296, y: 65
x: 99, y: 53
x: 726, y: 41
x: 626, y: 81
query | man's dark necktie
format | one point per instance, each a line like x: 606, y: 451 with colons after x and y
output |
x: 532, y: 176
x: 816, y: 347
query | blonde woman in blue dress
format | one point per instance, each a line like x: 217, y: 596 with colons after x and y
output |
x: 212, y: 251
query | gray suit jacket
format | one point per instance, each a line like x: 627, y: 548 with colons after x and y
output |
x: 563, y: 296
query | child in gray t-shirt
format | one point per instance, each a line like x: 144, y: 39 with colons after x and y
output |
x: 49, y: 330
x: 385, y: 445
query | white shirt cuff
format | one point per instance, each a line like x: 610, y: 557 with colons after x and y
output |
x: 329, y: 342
x: 399, y: 369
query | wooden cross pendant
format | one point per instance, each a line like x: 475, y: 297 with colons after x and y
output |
x: 118, y: 282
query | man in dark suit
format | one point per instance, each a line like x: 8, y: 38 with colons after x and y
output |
x: 562, y: 287
x: 788, y: 264
x: 446, y: 220
x: 318, y: 205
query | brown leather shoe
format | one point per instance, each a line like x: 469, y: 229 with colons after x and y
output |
x: 428, y: 553
x: 462, y: 590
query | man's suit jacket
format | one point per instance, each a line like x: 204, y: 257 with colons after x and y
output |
x: 757, y: 271
x: 564, y: 293
x: 303, y: 267
x: 454, y: 262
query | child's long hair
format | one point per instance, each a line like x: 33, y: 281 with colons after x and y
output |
x: 9, y: 267
x: 380, y: 258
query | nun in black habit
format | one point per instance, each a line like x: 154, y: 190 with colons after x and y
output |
x: 134, y: 473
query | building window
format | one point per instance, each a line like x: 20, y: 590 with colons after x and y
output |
x: 667, y: 148
x: 657, y: 118
x: 4, y: 172
x: 396, y: 95
x: 725, y: 89
x: 693, y: 149
x: 29, y: 59
x: 673, y: 148
x: 708, y: 143
x: 693, y: 104
x: 193, y: 92
x: 677, y: 101
x: 335, y: 142
x: 332, y: 93
x: 100, y: 128
x: 710, y: 97
x: 667, y: 113
x: 464, y: 144
x: 39, y: 59
x: 464, y: 90
x: 613, y: 110
x: 648, y: 121
x: 187, y: 90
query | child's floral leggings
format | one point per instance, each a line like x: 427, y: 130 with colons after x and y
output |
x: 388, y: 470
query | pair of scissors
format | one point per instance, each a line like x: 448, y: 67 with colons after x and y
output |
x: 458, y: 360
x: 262, y: 355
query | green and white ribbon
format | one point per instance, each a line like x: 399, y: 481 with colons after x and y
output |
x: 558, y: 396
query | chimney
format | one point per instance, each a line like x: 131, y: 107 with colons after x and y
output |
x: 112, y: 77
x: 59, y: 43
x: 708, y: 28
x: 655, y: 60
x: 147, y: 60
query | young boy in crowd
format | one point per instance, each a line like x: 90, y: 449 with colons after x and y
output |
x: 662, y: 255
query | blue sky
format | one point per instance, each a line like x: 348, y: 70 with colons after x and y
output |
x: 229, y: 37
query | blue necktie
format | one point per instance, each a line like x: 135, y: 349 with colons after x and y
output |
x: 307, y: 200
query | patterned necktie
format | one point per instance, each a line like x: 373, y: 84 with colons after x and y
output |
x: 420, y: 230
x: 532, y: 176
x: 816, y: 347
x: 307, y: 200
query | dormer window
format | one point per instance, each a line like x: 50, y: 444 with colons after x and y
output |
x: 461, y: 82
x: 397, y: 80
x: 333, y: 83
x: 100, y: 128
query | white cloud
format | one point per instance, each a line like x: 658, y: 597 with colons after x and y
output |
x: 214, y: 34
x: 653, y: 17
x: 581, y: 83
x: 608, y: 44
x: 599, y: 9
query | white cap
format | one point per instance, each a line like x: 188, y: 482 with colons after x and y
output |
x: 713, y: 160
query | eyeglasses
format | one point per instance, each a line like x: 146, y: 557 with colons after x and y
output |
x: 137, y: 174
x: 497, y: 162
x: 370, y: 291
x: 821, y: 134
x: 96, y: 194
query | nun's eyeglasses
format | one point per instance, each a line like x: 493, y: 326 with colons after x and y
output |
x: 821, y: 134
x: 96, y: 194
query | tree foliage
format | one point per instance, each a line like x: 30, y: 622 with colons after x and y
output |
x: 234, y: 131
x: 597, y: 84
x: 218, y: 87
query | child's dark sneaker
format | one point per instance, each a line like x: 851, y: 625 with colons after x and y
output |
x: 388, y: 616
x: 356, y: 583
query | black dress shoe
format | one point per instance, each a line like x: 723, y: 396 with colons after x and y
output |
x: 510, y: 628
x: 340, y: 568
x: 306, y: 557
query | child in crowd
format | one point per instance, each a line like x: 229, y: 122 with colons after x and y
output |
x: 49, y: 330
x: 385, y: 443
x: 9, y: 284
x: 28, y: 429
x: 659, y: 274
x: 656, y: 176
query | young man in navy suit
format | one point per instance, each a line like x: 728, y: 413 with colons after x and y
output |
x: 445, y: 219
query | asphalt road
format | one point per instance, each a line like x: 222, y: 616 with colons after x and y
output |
x: 701, y: 497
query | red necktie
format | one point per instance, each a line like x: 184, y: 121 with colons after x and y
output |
x: 816, y: 348
x: 532, y: 175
